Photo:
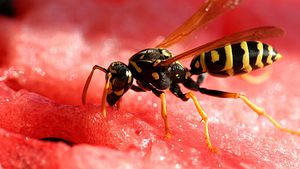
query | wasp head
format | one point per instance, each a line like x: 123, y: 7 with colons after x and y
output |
x: 119, y: 82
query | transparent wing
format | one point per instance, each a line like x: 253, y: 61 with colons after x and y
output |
x: 247, y: 35
x: 208, y: 11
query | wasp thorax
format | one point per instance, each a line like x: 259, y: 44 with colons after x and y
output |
x: 120, y: 81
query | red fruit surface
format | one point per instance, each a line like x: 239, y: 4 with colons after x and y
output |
x: 48, y: 50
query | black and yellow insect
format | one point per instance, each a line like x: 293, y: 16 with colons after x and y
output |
x: 157, y: 70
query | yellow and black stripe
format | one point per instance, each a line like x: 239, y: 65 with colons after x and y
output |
x: 235, y: 59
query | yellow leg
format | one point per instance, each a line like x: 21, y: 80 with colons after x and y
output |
x: 164, y: 114
x: 261, y: 112
x: 258, y: 79
x: 106, y: 86
x: 88, y: 81
x: 204, y: 119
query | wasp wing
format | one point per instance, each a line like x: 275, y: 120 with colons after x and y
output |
x: 208, y: 11
x: 247, y: 35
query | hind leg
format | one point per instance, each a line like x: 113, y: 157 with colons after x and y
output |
x: 258, y: 110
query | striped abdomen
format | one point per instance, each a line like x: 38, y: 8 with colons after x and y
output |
x: 234, y: 59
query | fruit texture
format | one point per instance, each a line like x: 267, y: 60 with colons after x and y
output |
x: 48, y: 49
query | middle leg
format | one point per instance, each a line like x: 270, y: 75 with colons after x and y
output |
x: 162, y: 97
x: 175, y: 89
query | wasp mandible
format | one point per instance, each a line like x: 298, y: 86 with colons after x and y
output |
x: 157, y: 70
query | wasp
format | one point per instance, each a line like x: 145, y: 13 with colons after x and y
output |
x: 157, y: 70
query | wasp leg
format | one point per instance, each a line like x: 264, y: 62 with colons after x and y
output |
x: 137, y: 88
x: 106, y: 86
x: 257, y: 79
x: 164, y: 115
x: 175, y: 89
x: 258, y: 110
x: 162, y: 96
x: 87, y: 83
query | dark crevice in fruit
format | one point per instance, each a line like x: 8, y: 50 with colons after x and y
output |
x: 13, y: 84
x: 56, y: 140
x: 7, y: 8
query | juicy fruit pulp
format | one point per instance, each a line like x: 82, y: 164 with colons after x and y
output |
x: 46, y: 57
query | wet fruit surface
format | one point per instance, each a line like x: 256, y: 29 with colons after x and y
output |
x: 49, y: 48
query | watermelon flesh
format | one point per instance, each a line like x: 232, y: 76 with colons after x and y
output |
x: 49, y: 48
